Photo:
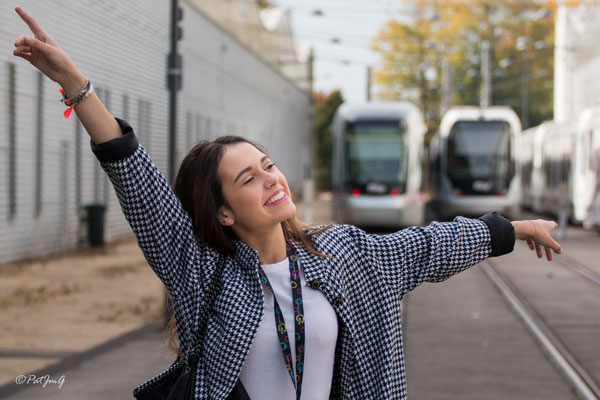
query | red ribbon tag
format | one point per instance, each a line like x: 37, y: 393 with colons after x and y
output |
x: 68, y: 111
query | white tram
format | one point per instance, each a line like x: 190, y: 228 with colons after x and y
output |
x: 376, y: 170
x: 565, y: 168
x: 475, y: 165
x: 586, y: 186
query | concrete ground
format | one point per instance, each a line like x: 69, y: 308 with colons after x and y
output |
x: 461, y: 339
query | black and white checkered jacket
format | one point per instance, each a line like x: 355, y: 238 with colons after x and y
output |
x: 364, y: 281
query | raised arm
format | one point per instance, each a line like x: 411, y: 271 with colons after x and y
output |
x: 46, y: 55
x: 162, y: 227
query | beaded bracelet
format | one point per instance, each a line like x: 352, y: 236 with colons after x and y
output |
x: 81, y: 95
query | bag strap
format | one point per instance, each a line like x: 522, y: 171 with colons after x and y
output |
x: 215, y: 283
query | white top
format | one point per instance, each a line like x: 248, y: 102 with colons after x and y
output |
x: 264, y: 374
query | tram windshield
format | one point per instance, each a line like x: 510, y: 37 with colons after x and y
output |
x: 479, y: 159
x: 376, y: 152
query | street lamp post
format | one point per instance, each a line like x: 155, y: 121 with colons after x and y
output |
x: 522, y: 45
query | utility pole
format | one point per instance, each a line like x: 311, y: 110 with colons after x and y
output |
x: 562, y: 87
x: 523, y: 43
x: 174, y: 78
x: 369, y: 82
x: 308, y: 190
x: 524, y: 91
x: 446, y: 86
x: 486, y: 81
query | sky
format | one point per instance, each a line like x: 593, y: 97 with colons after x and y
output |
x: 354, y: 23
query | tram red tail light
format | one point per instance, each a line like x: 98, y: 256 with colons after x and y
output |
x: 394, y: 192
x: 355, y: 192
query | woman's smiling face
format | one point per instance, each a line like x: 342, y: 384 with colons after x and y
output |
x: 256, y: 191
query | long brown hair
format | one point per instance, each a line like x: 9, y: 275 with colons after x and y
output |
x: 199, y: 189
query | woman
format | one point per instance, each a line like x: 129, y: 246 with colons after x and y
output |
x: 340, y: 286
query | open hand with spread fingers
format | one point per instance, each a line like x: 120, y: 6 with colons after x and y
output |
x: 537, y: 235
x: 46, y: 55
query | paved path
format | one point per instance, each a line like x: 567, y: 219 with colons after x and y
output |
x: 109, y: 371
x: 461, y: 342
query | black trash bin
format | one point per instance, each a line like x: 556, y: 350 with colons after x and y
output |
x: 95, y: 221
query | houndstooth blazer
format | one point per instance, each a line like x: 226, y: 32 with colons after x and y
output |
x: 364, y: 281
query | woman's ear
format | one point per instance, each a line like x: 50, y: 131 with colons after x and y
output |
x: 225, y: 216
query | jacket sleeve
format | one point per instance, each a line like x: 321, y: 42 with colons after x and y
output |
x: 163, y: 229
x: 406, y: 258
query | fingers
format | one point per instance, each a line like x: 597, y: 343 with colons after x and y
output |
x: 35, y: 28
x: 22, y: 49
x: 548, y: 253
x: 25, y: 56
x: 20, y: 41
x: 530, y: 244
x: 37, y: 44
x: 538, y: 250
x: 556, y: 247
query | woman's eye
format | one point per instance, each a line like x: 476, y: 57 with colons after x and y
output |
x: 270, y: 166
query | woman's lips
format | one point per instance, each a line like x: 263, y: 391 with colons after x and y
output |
x: 281, y: 200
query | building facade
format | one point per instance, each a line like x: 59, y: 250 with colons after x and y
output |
x: 49, y: 174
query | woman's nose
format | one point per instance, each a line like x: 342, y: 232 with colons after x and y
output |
x: 271, y: 179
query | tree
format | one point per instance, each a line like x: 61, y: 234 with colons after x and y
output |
x: 413, y: 51
x: 264, y: 4
x: 325, y: 108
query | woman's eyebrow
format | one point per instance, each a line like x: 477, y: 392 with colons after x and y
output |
x: 248, y: 169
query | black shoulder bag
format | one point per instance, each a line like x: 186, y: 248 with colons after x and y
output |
x: 179, y: 380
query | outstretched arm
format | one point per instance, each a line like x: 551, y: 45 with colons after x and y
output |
x: 46, y: 55
x: 406, y: 258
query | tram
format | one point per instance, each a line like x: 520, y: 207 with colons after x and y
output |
x: 565, y: 172
x: 557, y: 151
x: 475, y: 165
x: 586, y: 185
x: 376, y: 164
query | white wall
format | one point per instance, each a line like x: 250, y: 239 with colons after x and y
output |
x: 122, y: 48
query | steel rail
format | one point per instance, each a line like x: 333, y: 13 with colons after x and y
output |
x: 581, y: 381
x: 579, y: 268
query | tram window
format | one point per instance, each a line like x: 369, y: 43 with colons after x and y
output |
x: 479, y: 149
x: 376, y: 150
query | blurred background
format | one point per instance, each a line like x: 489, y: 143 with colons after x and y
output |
x: 382, y: 113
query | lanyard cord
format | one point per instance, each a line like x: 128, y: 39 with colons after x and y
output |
x: 284, y: 340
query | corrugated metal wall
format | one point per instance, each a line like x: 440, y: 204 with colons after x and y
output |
x: 122, y: 48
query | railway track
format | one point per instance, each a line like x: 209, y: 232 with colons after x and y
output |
x: 580, y: 379
x: 577, y: 267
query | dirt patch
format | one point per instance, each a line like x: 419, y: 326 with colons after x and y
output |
x: 72, y: 302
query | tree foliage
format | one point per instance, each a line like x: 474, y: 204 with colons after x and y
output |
x: 264, y: 4
x: 435, y: 33
x: 325, y: 108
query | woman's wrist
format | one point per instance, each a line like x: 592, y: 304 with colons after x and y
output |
x: 72, y: 83
x: 524, y: 229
